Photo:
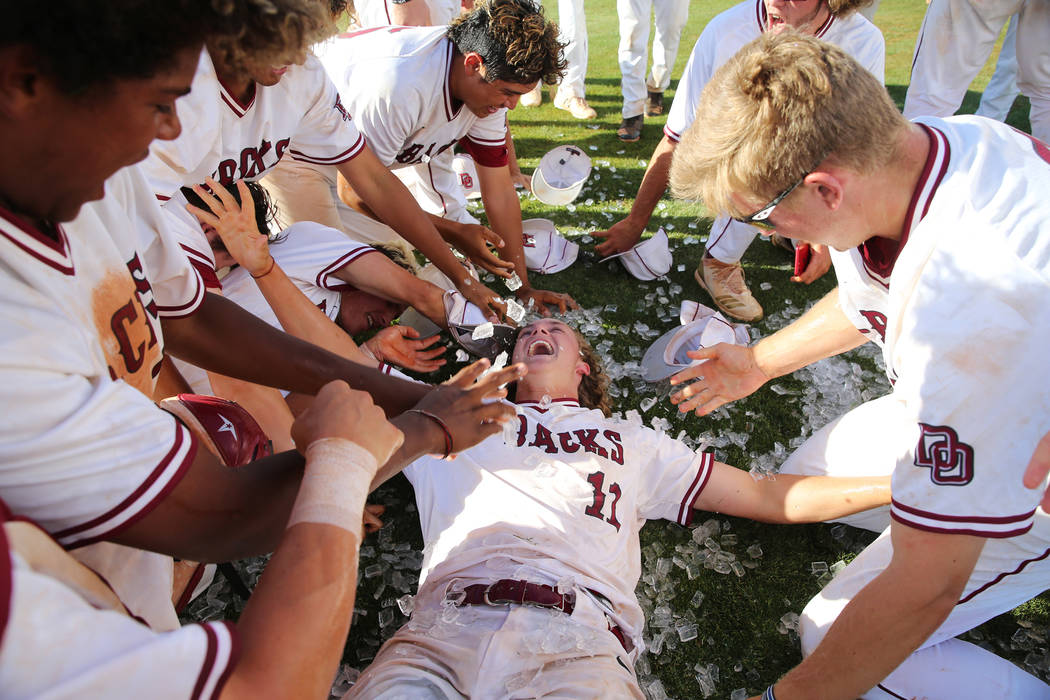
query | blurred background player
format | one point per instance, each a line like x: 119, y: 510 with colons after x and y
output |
x: 644, y: 97
x: 944, y: 246
x: 720, y: 271
x: 533, y: 536
x: 955, y: 41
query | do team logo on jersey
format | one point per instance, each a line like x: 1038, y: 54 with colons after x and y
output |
x: 949, y: 459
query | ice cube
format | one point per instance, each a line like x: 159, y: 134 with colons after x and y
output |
x: 515, y: 311
x: 513, y: 282
x: 483, y: 330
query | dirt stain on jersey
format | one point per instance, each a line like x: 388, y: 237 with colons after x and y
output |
x: 128, y: 341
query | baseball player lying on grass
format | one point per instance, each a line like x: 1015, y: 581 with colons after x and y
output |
x: 719, y: 271
x: 258, y: 96
x: 64, y: 632
x: 944, y: 262
x: 531, y: 538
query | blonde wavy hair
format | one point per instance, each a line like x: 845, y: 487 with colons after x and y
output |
x: 268, y: 32
x: 776, y: 110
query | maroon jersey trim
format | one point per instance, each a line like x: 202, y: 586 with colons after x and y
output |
x: 347, y: 155
x: 68, y: 538
x: 322, y: 280
x: 24, y: 235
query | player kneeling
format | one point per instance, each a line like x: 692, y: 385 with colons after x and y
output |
x: 532, y: 552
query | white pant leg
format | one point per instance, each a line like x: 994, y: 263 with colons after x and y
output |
x: 954, y: 41
x: 1002, y: 90
x: 671, y: 16
x: 1033, y: 63
x: 864, y: 442
x: 1008, y: 573
x: 729, y: 239
x: 634, y: 41
x: 573, y: 26
x: 303, y: 192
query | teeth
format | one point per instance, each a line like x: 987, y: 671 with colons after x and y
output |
x: 535, y: 348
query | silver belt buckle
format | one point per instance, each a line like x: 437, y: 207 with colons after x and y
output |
x: 488, y: 601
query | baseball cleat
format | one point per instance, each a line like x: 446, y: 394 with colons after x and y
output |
x: 533, y: 97
x: 630, y: 129
x: 725, y: 283
x: 654, y: 104
x: 576, y: 106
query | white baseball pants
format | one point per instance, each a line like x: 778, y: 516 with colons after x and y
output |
x: 671, y: 16
x: 955, y: 40
x: 729, y: 239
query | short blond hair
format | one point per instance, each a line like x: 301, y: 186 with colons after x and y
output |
x: 775, y: 111
x: 268, y: 32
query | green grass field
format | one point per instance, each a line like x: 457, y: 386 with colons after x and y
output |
x: 741, y: 640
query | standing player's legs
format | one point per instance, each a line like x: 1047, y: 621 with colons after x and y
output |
x: 867, y: 441
x: 729, y: 239
x: 302, y: 192
x: 1009, y: 572
x: 955, y: 39
x: 1002, y: 90
x: 1033, y: 64
x: 720, y: 272
x: 573, y: 27
x: 634, y: 40
x: 670, y: 16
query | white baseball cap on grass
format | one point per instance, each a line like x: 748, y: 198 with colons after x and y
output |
x: 702, y: 327
x: 560, y: 175
x: 648, y: 259
x: 546, y: 251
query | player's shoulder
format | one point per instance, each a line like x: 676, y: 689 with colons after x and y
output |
x: 307, y: 234
x: 855, y: 33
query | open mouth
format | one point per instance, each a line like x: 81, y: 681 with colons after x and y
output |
x: 540, y: 347
x: 373, y: 322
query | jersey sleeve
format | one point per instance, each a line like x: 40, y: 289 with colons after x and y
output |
x: 114, y: 453
x: 185, y: 232
x: 970, y: 359
x: 687, y: 96
x: 486, y: 141
x: 57, y: 644
x: 327, y: 134
x: 311, y: 254
x: 672, y: 476
x: 388, y: 124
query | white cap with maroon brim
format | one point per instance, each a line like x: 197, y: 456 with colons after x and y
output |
x: 702, y: 327
x: 648, y: 259
x: 546, y: 251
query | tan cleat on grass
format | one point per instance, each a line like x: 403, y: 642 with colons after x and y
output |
x: 725, y: 283
x: 533, y: 97
x: 576, y: 106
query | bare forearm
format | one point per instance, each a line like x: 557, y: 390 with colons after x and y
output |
x: 821, y: 332
x: 222, y: 337
x: 807, y: 499
x: 294, y: 627
x: 654, y: 184
x: 301, y: 318
x: 413, y: 13
x: 504, y: 213
x: 422, y: 436
x: 879, y: 628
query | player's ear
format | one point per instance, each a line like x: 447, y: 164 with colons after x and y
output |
x: 19, y: 79
x: 473, y: 62
x: 828, y: 187
x: 582, y: 368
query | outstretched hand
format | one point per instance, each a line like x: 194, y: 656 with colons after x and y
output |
x: 541, y: 298
x: 729, y: 373
x: 468, y: 403
x: 235, y: 224
x: 490, y: 303
x: 620, y: 237
x: 477, y: 242
x: 401, y: 346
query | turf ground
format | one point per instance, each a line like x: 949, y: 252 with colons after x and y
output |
x: 741, y: 639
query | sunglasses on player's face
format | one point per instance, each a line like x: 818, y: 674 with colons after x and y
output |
x: 761, y: 217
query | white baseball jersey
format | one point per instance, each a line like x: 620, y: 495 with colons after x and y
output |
x: 56, y: 640
x: 310, y: 255
x: 964, y: 322
x: 301, y: 117
x: 727, y: 33
x: 83, y: 449
x: 376, y: 13
x: 565, y: 502
x: 395, y: 83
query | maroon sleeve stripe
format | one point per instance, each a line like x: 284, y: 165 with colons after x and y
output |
x: 348, y: 154
x: 673, y: 135
x: 1005, y: 519
x: 133, y: 508
x: 976, y: 532
x: 485, y: 155
x: 685, y: 509
x: 190, y: 306
x: 221, y: 656
x: 354, y: 255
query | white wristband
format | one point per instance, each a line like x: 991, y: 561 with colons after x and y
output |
x: 335, y: 484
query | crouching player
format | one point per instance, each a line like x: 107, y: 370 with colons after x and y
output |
x: 532, y: 538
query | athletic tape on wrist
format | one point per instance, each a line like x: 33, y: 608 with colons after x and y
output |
x: 335, y: 484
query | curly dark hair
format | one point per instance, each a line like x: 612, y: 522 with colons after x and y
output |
x: 267, y: 32
x: 515, y: 41
x: 81, y: 45
x: 265, y: 211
